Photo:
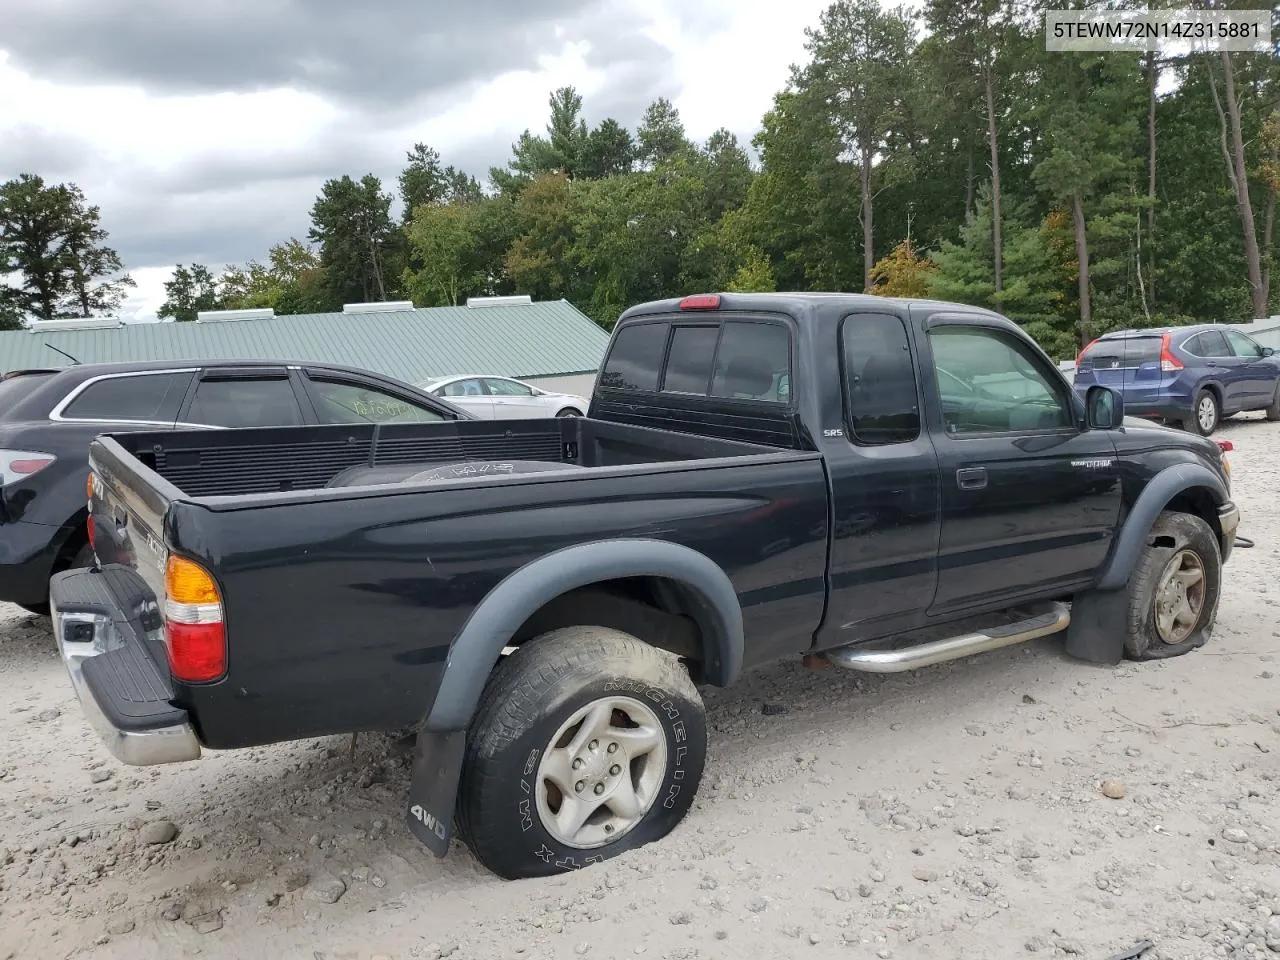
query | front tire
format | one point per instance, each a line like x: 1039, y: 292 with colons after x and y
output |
x: 587, y: 743
x: 569, y: 412
x: 1273, y: 411
x: 1174, y: 591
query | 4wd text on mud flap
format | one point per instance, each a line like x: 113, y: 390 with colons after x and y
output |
x: 431, y: 823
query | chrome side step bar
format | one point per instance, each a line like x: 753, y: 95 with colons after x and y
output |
x: 1053, y: 618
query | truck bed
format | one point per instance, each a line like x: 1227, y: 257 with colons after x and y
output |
x: 203, y: 463
x: 341, y: 602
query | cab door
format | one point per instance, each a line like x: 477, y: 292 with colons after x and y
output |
x: 1030, y: 497
x: 883, y: 472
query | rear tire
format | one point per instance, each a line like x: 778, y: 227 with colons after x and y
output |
x: 569, y: 412
x: 1205, y: 415
x: 1174, y: 590
x: 587, y: 743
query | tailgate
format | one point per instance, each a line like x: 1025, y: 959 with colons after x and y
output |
x: 127, y: 507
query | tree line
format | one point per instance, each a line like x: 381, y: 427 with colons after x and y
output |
x: 938, y: 152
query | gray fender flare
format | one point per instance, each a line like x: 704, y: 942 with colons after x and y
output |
x: 476, y: 649
x: 1096, y: 632
x: 1162, y: 488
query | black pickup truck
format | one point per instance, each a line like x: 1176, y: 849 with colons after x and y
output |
x: 879, y: 484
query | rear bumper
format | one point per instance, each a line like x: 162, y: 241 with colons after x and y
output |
x: 1229, y: 522
x: 123, y: 694
x: 27, y: 552
x: 1164, y: 410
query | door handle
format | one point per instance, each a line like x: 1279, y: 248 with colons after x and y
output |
x: 971, y: 478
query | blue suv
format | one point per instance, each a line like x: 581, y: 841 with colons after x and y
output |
x: 1193, y: 376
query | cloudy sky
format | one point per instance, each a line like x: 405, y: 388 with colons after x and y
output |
x: 204, y: 130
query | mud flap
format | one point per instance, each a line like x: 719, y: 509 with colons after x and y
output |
x: 433, y: 789
x: 1096, y: 632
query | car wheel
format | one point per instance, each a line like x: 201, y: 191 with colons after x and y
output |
x: 1205, y: 415
x: 569, y: 412
x: 1173, y: 593
x: 1273, y: 411
x: 588, y: 743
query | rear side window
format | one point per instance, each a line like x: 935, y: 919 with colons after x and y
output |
x: 19, y: 387
x: 693, y: 350
x: 753, y: 362
x: 463, y: 388
x: 1208, y: 343
x: 879, y: 380
x: 635, y: 358
x: 154, y: 397
x: 245, y: 403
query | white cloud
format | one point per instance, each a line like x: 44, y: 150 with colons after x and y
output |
x: 212, y: 177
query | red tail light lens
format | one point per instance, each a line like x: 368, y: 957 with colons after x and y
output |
x: 89, y: 527
x: 704, y: 301
x: 18, y: 464
x: 1084, y: 350
x: 1168, y: 362
x: 197, y: 651
x: 194, y: 635
x: 1226, y: 445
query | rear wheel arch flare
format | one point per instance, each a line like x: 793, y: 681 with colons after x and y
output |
x: 498, y: 618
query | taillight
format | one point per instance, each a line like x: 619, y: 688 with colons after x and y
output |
x: 1084, y: 350
x: 88, y: 525
x: 1168, y: 362
x: 1225, y: 445
x: 702, y: 301
x: 18, y: 464
x: 194, y: 635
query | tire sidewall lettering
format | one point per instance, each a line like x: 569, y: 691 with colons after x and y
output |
x: 566, y: 858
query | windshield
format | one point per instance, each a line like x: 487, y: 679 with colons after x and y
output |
x: 19, y: 387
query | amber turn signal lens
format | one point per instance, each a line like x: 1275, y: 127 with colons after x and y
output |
x: 185, y: 581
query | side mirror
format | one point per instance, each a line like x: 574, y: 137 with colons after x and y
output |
x: 1104, y: 408
x: 1268, y: 351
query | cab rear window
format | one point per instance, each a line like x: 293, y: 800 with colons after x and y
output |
x: 737, y: 359
x: 636, y: 358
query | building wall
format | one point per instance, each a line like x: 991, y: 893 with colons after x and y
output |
x: 580, y: 385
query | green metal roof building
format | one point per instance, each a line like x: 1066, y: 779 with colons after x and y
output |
x: 552, y: 344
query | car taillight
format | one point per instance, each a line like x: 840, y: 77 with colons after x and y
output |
x: 17, y: 464
x: 194, y: 635
x: 702, y: 301
x: 1225, y: 445
x: 1084, y: 350
x: 1168, y: 362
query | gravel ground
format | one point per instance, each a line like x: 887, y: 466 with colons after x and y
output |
x: 956, y: 812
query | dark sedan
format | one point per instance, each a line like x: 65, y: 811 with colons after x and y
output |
x: 48, y: 418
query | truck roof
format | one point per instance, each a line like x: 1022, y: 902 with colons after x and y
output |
x: 799, y: 303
